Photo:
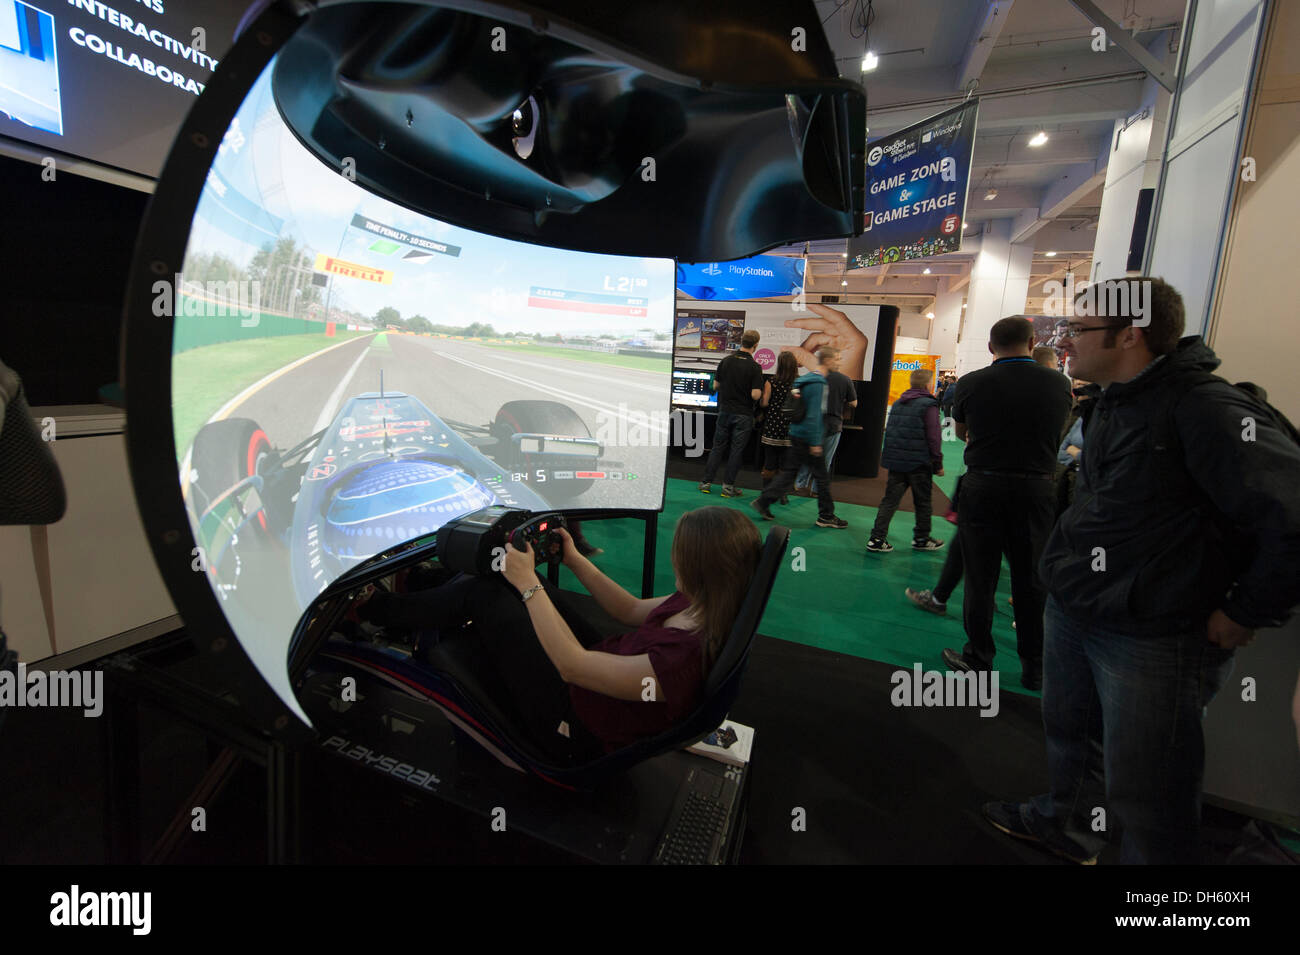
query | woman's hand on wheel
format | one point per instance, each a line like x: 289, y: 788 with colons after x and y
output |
x: 520, y: 568
x: 571, y: 552
x: 359, y: 609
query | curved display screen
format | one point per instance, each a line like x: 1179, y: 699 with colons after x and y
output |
x: 348, y: 375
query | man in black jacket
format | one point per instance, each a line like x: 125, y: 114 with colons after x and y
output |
x: 739, y: 383
x: 1183, y: 538
x: 1011, y: 412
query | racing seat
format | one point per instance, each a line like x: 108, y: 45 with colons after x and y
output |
x: 454, y: 682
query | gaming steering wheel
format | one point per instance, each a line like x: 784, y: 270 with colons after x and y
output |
x: 543, y: 533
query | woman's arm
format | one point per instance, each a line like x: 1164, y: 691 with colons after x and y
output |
x: 767, y: 394
x: 613, y: 599
x: 621, y: 677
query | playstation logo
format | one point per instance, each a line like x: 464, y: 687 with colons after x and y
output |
x: 712, y: 269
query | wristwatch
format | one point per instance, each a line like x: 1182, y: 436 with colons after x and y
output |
x: 529, y: 592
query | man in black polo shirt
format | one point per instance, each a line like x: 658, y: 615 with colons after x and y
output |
x: 1010, y: 414
x: 739, y: 383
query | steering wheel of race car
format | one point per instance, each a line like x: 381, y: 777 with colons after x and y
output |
x: 542, y: 533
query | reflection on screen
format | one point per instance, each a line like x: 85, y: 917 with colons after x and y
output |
x: 349, y: 375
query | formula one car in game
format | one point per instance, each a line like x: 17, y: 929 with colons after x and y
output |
x: 385, y: 471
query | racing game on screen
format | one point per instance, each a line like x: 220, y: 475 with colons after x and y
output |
x: 349, y: 375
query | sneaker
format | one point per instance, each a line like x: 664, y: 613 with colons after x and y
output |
x: 838, y: 523
x: 730, y: 490
x: 763, y: 510
x: 706, y: 487
x: 926, y: 543
x: 1013, y: 625
x: 1009, y: 817
x: 879, y: 545
x: 925, y: 600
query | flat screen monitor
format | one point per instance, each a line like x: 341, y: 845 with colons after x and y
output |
x: 348, y: 375
x: 107, y: 82
x: 693, y: 388
x: 705, y: 336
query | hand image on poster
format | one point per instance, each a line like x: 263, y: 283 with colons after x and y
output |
x: 831, y: 327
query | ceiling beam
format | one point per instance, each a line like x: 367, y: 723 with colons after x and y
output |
x: 987, y: 30
x: 1126, y: 42
x: 1106, y: 98
x: 962, y: 282
x: 884, y: 270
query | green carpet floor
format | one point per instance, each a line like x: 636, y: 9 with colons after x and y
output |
x: 842, y: 598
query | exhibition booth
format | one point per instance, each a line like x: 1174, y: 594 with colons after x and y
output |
x: 424, y: 283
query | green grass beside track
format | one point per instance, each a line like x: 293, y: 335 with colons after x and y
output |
x: 204, y: 379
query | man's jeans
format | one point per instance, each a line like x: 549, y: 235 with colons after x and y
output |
x: 829, y: 443
x: 731, y: 432
x: 1122, y: 715
x: 801, y: 454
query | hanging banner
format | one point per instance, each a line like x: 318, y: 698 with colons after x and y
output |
x: 763, y: 276
x: 916, y: 190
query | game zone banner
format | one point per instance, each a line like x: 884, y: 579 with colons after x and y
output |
x: 916, y: 190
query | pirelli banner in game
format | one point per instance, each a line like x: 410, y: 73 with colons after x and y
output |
x: 916, y: 190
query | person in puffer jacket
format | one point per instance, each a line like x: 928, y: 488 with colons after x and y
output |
x: 912, y: 454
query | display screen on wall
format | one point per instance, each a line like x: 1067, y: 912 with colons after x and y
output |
x: 916, y: 190
x: 704, y: 336
x: 108, y: 82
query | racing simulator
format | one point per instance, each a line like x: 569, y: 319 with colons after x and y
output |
x: 388, y: 314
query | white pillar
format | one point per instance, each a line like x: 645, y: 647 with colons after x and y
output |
x: 943, y: 329
x: 999, y: 285
x: 1137, y: 147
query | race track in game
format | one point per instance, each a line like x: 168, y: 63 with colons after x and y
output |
x: 465, y: 381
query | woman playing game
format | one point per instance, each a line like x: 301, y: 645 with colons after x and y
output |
x: 581, y: 694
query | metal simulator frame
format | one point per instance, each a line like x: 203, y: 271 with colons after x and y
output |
x: 539, y: 141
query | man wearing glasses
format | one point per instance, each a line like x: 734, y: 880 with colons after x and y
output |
x: 1182, y: 539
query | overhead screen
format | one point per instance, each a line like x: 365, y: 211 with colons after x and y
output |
x: 704, y: 335
x: 348, y: 375
x: 108, y: 82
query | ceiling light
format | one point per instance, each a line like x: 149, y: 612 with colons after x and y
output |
x: 869, y: 61
x: 926, y: 272
x: 844, y: 254
x: 1039, y: 138
x: 990, y: 195
x: 845, y: 282
x: 929, y: 314
x: 963, y: 304
x: 964, y: 225
x: 1050, y: 254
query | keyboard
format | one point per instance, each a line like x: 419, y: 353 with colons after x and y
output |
x: 696, y: 833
